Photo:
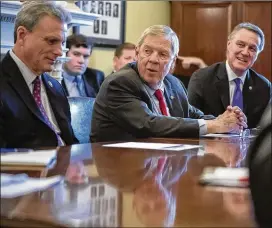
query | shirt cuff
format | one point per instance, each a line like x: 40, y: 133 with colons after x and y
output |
x: 202, y: 127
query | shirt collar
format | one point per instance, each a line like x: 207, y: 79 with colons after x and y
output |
x: 152, y: 91
x: 28, y: 75
x: 69, y: 77
x: 232, y: 75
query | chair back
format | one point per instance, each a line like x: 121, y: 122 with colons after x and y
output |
x: 81, y: 114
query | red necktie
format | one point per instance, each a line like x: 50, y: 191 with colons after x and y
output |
x: 37, y: 97
x: 159, y: 96
x: 161, y: 164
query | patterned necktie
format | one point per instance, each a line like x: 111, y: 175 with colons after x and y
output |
x: 238, y: 95
x: 80, y: 86
x: 37, y: 97
x: 159, y: 96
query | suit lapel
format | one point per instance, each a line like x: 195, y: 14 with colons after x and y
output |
x: 53, y: 94
x: 247, y: 93
x: 171, y: 99
x: 222, y: 85
x: 89, y: 84
x: 18, y: 83
x: 64, y: 87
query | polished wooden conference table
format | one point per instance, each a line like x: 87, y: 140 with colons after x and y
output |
x: 120, y: 187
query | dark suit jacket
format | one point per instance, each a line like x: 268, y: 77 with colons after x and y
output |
x: 21, y: 122
x: 260, y: 176
x: 92, y: 79
x: 123, y: 109
x: 208, y: 90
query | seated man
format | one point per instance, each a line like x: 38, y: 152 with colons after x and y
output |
x: 233, y: 82
x: 124, y: 54
x: 78, y: 79
x: 34, y: 111
x: 144, y: 100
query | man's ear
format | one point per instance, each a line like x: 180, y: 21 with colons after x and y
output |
x: 137, y: 49
x: 228, y: 43
x: 21, y: 35
x: 115, y: 59
x: 173, y: 64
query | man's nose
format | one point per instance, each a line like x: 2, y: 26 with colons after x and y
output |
x: 154, y: 57
x: 245, y: 51
x: 58, y: 50
x: 81, y: 59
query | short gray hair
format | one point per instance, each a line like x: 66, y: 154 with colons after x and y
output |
x: 161, y: 30
x: 32, y: 11
x: 250, y: 27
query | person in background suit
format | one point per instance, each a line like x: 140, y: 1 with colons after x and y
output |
x: 78, y: 79
x: 34, y: 111
x: 143, y: 100
x: 233, y: 82
x: 124, y: 54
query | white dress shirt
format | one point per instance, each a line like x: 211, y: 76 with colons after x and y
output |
x: 231, y: 77
x: 29, y: 77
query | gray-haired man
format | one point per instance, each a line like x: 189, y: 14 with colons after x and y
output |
x: 144, y: 100
x: 34, y: 111
x: 233, y: 82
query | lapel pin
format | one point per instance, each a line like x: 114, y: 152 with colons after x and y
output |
x: 172, y: 97
x: 50, y: 84
x: 250, y: 87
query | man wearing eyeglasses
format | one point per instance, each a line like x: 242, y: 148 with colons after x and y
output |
x: 144, y: 100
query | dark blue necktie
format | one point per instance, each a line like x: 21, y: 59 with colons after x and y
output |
x: 238, y: 95
x: 80, y: 86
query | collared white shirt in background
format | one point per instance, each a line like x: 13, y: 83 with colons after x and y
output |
x: 232, y: 84
x: 156, y: 104
x: 29, y: 77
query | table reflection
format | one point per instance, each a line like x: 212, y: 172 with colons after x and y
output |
x: 119, y: 187
x: 233, y: 154
x: 83, y: 201
x: 152, y: 181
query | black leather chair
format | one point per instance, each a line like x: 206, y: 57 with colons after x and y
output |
x: 81, y: 113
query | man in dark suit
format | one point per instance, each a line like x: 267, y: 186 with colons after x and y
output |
x: 144, y: 100
x: 34, y: 111
x: 213, y: 88
x: 78, y: 79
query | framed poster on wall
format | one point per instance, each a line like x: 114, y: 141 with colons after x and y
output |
x: 109, y: 29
